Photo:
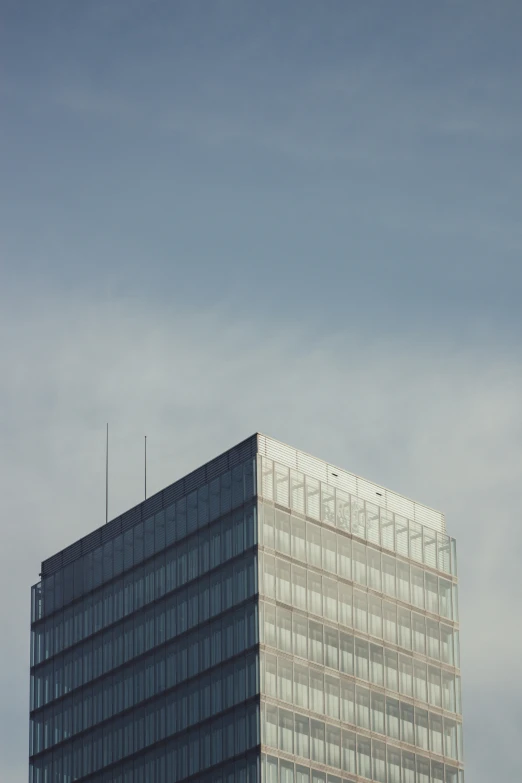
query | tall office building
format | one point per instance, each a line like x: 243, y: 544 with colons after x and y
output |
x: 267, y: 617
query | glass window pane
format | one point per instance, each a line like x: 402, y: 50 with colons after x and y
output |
x: 359, y: 563
x: 283, y: 581
x: 331, y: 647
x: 347, y: 653
x: 301, y: 686
x: 364, y: 766
x: 299, y: 587
x: 345, y: 604
x: 332, y: 696
x: 283, y: 532
x: 329, y: 548
x: 374, y: 569
x: 379, y: 761
x: 327, y: 504
x: 348, y: 751
x: 391, y: 670
x: 284, y: 629
x: 389, y: 617
x: 406, y: 675
x: 347, y: 701
x: 362, y: 707
x: 421, y: 729
x: 302, y: 736
x: 315, y: 635
x: 297, y: 493
x: 317, y: 741
x: 445, y: 591
x: 333, y: 746
x: 342, y: 505
x: 286, y: 731
x: 270, y: 668
x: 284, y: 679
x: 300, y: 635
x: 392, y: 718
x: 315, y: 593
x: 344, y: 557
x: 298, y: 535
x: 360, y: 610
x: 378, y: 713
x: 436, y: 734
x: 313, y: 541
x: 394, y: 765
x: 330, y: 598
x: 312, y: 491
x: 316, y: 691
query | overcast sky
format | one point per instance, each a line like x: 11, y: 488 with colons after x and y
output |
x: 301, y: 218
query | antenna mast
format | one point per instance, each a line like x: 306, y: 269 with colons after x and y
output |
x: 107, y: 476
x: 145, y: 467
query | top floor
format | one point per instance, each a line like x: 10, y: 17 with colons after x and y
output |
x: 259, y: 466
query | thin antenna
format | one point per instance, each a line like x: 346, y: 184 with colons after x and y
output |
x: 145, y: 467
x: 107, y: 477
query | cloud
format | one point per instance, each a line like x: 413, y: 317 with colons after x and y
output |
x: 436, y: 423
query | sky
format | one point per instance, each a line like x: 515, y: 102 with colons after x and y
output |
x: 297, y: 218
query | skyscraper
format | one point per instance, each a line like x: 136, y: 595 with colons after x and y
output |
x: 267, y: 617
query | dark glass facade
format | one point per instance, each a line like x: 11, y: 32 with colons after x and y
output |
x: 144, y: 649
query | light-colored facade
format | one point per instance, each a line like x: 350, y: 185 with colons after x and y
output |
x: 359, y: 635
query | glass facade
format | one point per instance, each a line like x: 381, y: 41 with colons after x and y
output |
x: 359, y: 639
x: 250, y: 623
x: 144, y: 651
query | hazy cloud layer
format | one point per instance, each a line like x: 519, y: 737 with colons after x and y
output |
x: 440, y: 425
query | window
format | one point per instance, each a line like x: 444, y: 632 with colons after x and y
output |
x: 313, y: 536
x: 283, y: 543
x: 421, y: 729
x: 388, y: 575
x: 286, y: 731
x: 300, y: 635
x: 417, y: 587
x: 301, y: 686
x: 330, y: 598
x: 392, y: 718
x: 374, y: 569
x: 362, y: 707
x: 359, y: 563
x: 331, y: 647
x: 284, y: 676
x: 302, y: 736
x: 344, y: 557
x: 377, y: 713
x: 376, y: 664
x: 283, y: 581
x: 270, y: 683
x: 345, y: 604
x: 316, y: 691
x: 348, y: 751
x: 315, y: 594
x: 284, y: 629
x: 317, y: 741
x: 331, y: 689
x: 333, y: 746
x: 329, y: 547
x: 389, y: 616
x: 407, y: 727
x: 299, y: 587
x: 315, y: 634
x: 360, y: 610
x: 298, y: 534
